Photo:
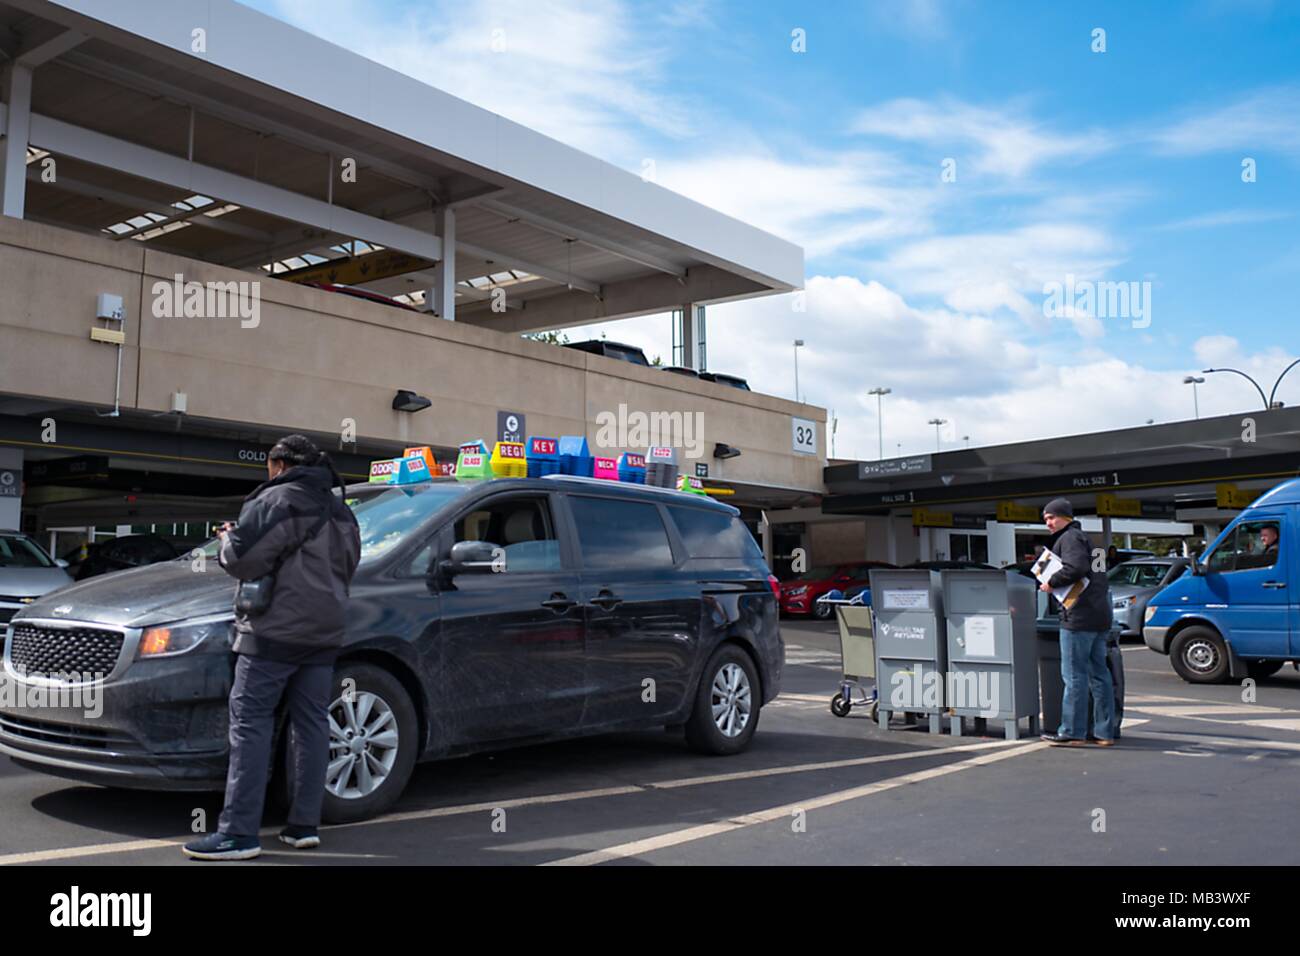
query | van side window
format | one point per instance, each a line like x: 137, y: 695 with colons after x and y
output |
x: 1253, y: 545
x: 521, y: 527
x: 620, y: 534
x: 715, y: 534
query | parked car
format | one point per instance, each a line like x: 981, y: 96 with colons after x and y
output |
x: 1234, y: 615
x: 598, y: 588
x: 800, y: 595
x: 1134, y: 583
x: 681, y: 370
x: 614, y: 350
x: 953, y: 566
x: 734, y: 381
x: 27, y: 572
x: 127, y: 551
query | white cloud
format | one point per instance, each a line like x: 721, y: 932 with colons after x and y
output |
x: 985, y: 141
x: 1267, y: 119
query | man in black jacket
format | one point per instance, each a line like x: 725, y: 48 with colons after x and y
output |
x: 295, y: 528
x: 1085, y: 624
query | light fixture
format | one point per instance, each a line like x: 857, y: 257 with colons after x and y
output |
x: 723, y: 450
x: 408, y: 401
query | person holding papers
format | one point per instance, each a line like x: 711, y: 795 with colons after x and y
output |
x: 1067, y: 570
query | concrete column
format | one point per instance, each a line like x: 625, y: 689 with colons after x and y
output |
x: 891, y: 540
x: 765, y: 530
x: 924, y: 541
x: 441, y: 298
x: 687, y: 333
x: 13, y: 157
x: 1107, y: 531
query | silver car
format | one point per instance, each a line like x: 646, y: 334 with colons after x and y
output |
x: 26, y: 573
x: 1134, y: 583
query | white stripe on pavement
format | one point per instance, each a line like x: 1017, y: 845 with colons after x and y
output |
x: 691, y: 834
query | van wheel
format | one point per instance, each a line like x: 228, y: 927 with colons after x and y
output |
x: 1258, y: 670
x: 726, y: 704
x: 373, y: 740
x: 1200, y: 656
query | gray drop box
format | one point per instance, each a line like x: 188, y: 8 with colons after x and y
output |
x: 992, y: 647
x: 907, y: 609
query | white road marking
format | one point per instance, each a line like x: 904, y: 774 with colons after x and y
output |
x: 1204, y: 710
x: 691, y: 834
x: 1252, y: 743
x: 64, y: 853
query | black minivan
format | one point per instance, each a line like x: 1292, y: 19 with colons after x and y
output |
x: 483, y: 614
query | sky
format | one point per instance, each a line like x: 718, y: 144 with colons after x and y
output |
x: 962, y: 176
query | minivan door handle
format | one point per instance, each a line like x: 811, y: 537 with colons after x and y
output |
x: 1276, y: 585
x: 558, y: 602
x: 606, y: 601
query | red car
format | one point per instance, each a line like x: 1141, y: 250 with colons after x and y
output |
x: 800, y: 595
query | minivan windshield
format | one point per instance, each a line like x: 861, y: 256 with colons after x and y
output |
x: 385, y: 514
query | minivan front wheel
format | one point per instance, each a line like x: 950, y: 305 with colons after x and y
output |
x: 373, y: 740
x: 726, y: 704
x: 1200, y: 656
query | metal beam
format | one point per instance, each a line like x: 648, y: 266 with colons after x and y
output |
x: 101, y: 150
x: 41, y: 50
x: 153, y: 87
x: 440, y: 297
x: 564, y: 230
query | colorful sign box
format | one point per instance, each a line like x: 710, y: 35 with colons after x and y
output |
x: 575, y: 456
x: 416, y: 465
x: 509, y: 460
x: 543, y: 456
x: 631, y: 468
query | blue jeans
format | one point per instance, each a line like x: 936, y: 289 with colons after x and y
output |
x: 1083, y: 660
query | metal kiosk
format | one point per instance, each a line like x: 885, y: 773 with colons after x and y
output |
x: 911, y: 651
x: 992, y: 648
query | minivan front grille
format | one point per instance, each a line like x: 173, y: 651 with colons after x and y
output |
x: 55, y: 650
x: 67, y: 735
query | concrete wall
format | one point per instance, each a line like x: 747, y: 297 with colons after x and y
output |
x: 315, y: 359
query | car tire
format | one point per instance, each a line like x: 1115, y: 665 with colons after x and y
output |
x: 1200, y: 656
x: 729, y: 681
x: 1258, y: 670
x: 376, y: 693
x: 823, y: 611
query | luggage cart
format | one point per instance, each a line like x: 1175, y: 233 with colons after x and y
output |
x: 857, y: 656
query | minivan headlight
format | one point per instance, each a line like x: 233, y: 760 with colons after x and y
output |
x: 1151, y: 612
x: 180, y: 637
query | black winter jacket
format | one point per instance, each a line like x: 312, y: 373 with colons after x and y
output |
x: 305, y: 621
x: 1093, y: 611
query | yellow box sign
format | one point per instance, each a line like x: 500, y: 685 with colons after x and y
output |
x: 355, y: 270
x: 931, y: 519
x: 1114, y: 506
x: 1010, y: 511
x: 1230, y: 496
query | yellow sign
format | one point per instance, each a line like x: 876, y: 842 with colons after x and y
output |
x: 1010, y: 511
x: 358, y: 269
x: 1117, y: 507
x: 1230, y: 496
x: 931, y: 519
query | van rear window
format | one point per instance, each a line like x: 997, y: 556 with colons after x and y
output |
x: 714, y: 534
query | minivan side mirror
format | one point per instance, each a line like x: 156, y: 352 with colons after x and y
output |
x: 1198, y: 569
x: 472, y: 557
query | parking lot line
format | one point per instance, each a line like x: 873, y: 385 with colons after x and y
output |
x: 487, y: 806
x: 703, y: 831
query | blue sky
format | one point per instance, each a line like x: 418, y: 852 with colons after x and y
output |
x: 1121, y: 166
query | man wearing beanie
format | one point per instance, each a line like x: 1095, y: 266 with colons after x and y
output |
x: 1084, y: 627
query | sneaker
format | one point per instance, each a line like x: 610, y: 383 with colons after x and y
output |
x: 1056, y: 740
x: 300, y: 838
x: 223, y: 846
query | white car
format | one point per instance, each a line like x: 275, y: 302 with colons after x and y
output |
x: 26, y: 573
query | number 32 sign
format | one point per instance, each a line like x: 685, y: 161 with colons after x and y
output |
x: 804, y: 436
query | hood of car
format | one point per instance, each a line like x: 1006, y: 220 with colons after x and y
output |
x: 140, y: 597
x: 32, y: 582
x: 1118, y: 591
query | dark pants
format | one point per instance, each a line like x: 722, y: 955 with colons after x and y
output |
x: 259, y: 685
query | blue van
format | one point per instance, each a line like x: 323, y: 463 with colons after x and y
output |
x: 1237, y: 614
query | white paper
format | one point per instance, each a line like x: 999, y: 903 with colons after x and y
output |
x: 979, y: 637
x: 906, y: 600
x: 1047, y: 565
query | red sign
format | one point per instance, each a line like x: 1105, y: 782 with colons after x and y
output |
x: 635, y: 461
x: 545, y: 446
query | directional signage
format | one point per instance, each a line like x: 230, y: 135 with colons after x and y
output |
x: 1010, y: 511
x: 1229, y: 496
x: 358, y: 269
x: 1117, y: 507
x: 915, y: 465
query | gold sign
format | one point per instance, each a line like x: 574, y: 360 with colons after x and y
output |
x: 1117, y: 507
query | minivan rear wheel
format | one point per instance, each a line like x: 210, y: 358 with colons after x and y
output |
x: 726, y: 704
x: 373, y: 739
x: 1200, y: 656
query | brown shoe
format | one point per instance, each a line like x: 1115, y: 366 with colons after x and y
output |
x: 1105, y: 743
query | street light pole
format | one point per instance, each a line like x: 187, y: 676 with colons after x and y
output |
x: 1193, y: 381
x: 936, y: 422
x: 798, y: 344
x: 880, y: 394
x: 1234, y: 371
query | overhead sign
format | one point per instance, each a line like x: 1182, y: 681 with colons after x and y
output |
x: 510, y: 426
x: 1116, y: 507
x: 11, y: 483
x: 803, y: 437
x: 358, y: 269
x: 931, y: 519
x: 916, y: 465
x: 1228, y: 495
x: 1010, y: 511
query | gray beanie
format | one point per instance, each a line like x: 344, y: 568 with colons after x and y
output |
x: 1059, y: 507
